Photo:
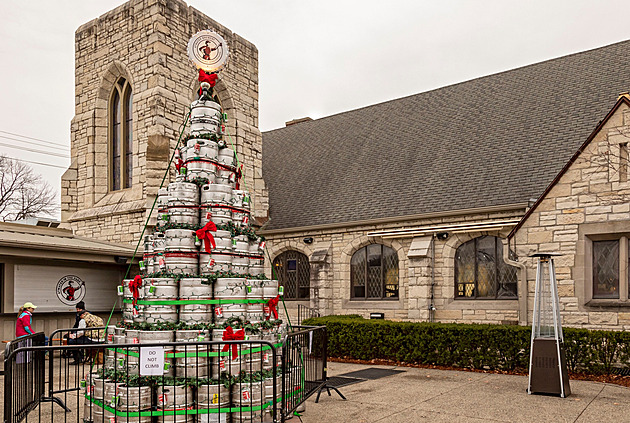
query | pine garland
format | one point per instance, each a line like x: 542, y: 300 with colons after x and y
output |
x: 206, y: 136
x: 191, y: 226
x: 234, y: 322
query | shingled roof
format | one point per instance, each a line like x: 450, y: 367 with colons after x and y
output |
x: 490, y: 141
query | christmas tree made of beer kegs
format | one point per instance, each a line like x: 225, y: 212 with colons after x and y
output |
x: 202, y: 278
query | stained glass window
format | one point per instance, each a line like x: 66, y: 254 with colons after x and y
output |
x: 293, y: 271
x: 374, y: 273
x: 121, y: 136
x: 606, y: 269
x: 480, y: 271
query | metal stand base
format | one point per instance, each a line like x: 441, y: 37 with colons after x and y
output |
x: 328, y: 388
x: 548, y: 371
x: 56, y: 401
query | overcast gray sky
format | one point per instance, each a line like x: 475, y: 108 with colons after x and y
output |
x: 316, y: 58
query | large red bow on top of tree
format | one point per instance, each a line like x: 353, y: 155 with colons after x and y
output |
x: 134, y: 286
x: 230, y: 335
x: 273, y: 307
x: 210, y: 78
x: 208, y: 239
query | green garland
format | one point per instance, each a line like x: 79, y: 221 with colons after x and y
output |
x: 199, y: 181
x: 234, y: 322
x: 230, y: 227
x: 191, y: 226
x: 171, y: 275
x: 206, y: 136
x: 122, y: 378
x: 239, y: 230
x: 166, y: 326
x: 211, y: 278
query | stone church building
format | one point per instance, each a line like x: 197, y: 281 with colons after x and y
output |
x: 423, y: 208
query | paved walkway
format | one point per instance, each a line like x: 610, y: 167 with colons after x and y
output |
x: 419, y: 395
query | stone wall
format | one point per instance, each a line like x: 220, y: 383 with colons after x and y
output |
x: 144, y: 41
x: 330, y: 277
x: 590, y: 201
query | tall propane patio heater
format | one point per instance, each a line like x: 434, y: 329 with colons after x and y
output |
x: 547, y: 361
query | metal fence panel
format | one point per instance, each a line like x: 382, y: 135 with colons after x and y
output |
x: 202, y: 381
x: 304, y: 356
x: 24, y: 379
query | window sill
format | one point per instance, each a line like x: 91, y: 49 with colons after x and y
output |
x: 486, y: 304
x: 484, y: 299
x: 114, y: 191
x: 373, y: 304
x: 612, y: 302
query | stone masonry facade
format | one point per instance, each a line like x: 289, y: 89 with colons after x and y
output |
x: 144, y: 41
x: 330, y: 278
x: 589, y: 202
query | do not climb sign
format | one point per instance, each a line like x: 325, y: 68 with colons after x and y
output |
x: 151, y: 361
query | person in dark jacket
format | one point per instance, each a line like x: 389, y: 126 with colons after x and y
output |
x: 80, y: 309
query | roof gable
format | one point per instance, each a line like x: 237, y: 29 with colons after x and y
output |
x: 623, y: 99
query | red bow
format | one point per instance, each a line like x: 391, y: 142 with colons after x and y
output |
x: 134, y: 285
x: 179, y: 164
x: 210, y: 78
x: 273, y: 304
x: 230, y: 335
x: 208, y: 239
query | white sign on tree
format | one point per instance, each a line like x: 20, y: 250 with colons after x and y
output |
x: 151, y: 361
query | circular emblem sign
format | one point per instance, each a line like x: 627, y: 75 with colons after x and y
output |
x: 208, y: 51
x: 70, y: 289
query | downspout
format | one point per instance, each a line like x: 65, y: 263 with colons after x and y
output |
x: 522, y: 282
x: 432, y: 304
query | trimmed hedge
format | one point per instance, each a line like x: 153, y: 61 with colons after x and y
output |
x: 475, y: 346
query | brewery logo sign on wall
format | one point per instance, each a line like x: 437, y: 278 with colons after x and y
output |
x: 70, y: 289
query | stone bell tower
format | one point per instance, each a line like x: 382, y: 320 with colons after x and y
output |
x: 133, y: 88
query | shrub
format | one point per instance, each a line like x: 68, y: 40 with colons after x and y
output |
x: 473, y: 346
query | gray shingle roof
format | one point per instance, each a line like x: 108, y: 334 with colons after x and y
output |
x: 491, y: 141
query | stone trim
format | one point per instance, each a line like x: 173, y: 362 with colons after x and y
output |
x: 112, y: 210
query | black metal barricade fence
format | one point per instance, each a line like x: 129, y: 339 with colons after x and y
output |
x: 57, y: 381
x: 211, y: 381
x: 304, y: 355
x: 26, y: 375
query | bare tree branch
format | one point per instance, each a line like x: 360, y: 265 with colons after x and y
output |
x: 23, y: 193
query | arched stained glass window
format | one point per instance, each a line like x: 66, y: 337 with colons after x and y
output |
x: 374, y: 273
x: 293, y: 271
x: 121, y: 136
x: 480, y: 271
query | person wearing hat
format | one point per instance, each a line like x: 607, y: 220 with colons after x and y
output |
x: 25, y: 315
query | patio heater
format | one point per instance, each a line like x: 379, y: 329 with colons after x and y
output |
x: 547, y: 361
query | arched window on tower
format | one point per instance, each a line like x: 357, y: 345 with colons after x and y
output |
x: 480, y: 271
x: 294, y: 273
x: 121, y: 136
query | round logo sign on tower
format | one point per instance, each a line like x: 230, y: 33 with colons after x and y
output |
x: 208, y: 51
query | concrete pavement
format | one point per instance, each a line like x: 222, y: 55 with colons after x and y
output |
x: 419, y: 395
